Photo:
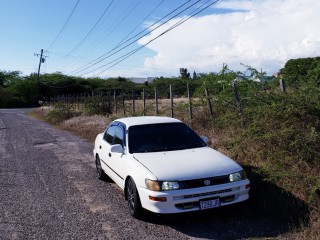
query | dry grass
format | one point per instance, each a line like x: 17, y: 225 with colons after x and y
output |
x: 40, y: 113
x: 87, y: 126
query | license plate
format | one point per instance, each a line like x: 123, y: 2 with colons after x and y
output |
x: 213, y: 203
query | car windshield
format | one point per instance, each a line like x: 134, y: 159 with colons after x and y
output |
x: 162, y: 137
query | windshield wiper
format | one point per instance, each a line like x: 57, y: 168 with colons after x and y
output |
x: 193, y: 145
x: 164, y: 149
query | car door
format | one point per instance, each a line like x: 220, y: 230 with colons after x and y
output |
x: 112, y: 162
x: 105, y: 147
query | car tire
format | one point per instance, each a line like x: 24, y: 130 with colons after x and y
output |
x: 134, y: 204
x: 100, y: 173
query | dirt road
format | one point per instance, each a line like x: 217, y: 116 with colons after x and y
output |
x: 49, y: 190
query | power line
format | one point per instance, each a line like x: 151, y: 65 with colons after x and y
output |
x: 63, y: 55
x: 127, y: 55
x: 101, y: 58
x: 78, y: 58
x: 140, y: 23
x: 95, y: 25
x: 136, y: 38
x: 64, y: 26
x: 90, y: 48
x: 109, y: 53
x: 130, y: 8
x: 139, y: 48
x: 125, y: 16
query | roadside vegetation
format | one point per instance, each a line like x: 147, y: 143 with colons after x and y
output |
x: 274, y: 134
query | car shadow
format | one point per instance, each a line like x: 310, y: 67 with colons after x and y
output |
x: 270, y: 212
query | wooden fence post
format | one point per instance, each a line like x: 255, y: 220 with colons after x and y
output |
x: 78, y: 101
x: 282, y: 85
x: 109, y: 101
x: 144, y: 101
x: 123, y: 104
x: 84, y: 101
x: 171, y: 100
x: 103, y: 100
x: 156, y: 100
x: 190, y: 103
x: 133, y: 103
x: 115, y: 101
x: 238, y: 102
x: 209, y: 101
x: 235, y: 92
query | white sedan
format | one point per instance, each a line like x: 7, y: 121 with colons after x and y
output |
x: 163, y: 166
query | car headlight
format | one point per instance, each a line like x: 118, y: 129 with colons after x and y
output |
x: 161, y: 186
x: 238, y: 176
x: 169, y: 186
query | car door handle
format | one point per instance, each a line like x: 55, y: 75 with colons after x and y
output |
x: 109, y: 154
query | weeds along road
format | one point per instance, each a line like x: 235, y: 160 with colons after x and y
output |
x: 49, y: 190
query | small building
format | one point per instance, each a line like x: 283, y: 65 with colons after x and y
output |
x: 259, y: 79
x: 141, y: 80
x: 263, y: 79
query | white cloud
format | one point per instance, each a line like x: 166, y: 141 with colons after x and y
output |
x: 262, y: 34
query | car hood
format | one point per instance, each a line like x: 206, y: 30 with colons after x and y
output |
x: 187, y: 164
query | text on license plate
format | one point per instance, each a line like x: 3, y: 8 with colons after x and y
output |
x: 213, y: 203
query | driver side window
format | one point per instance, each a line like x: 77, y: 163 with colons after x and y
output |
x: 109, y: 134
x: 118, y: 137
x: 114, y: 135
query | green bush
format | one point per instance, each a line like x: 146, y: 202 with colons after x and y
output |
x: 61, y: 111
x: 278, y: 132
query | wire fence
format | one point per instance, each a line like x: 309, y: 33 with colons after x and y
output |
x: 135, y: 102
x: 183, y: 101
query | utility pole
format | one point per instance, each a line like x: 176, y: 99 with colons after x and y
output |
x: 40, y: 65
x: 42, y: 60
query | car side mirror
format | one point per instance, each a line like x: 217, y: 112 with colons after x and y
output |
x: 206, y: 140
x: 117, y: 148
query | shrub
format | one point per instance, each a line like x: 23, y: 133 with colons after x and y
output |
x: 60, y: 112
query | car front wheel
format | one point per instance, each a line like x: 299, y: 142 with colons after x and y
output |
x: 133, y: 198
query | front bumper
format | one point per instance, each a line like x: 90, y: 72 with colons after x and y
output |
x: 186, y: 200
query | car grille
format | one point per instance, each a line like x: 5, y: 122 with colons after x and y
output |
x: 207, y: 193
x: 204, y: 182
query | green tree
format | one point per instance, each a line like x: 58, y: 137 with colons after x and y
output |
x: 298, y: 71
x: 194, y: 77
x: 7, y: 77
x: 26, y: 91
x: 184, y: 74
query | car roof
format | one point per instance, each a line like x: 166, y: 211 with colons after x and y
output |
x: 143, y: 120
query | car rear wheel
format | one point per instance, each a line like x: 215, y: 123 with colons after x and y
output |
x: 133, y: 199
x: 100, y: 173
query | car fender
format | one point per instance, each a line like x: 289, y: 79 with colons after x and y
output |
x: 138, y: 172
x: 97, y: 143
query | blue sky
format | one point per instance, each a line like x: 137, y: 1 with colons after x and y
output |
x: 260, y: 33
